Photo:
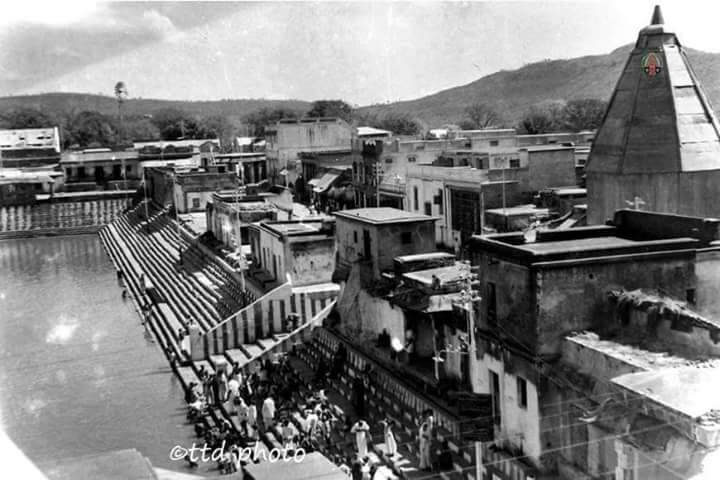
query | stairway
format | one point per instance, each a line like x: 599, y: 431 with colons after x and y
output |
x: 149, y: 251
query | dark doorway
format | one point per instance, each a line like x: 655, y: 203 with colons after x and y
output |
x: 366, y: 244
x: 99, y: 175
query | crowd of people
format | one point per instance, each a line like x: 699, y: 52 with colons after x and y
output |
x: 266, y: 401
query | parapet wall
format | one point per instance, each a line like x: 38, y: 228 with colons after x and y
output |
x: 58, y: 216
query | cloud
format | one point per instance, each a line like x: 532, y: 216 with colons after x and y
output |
x: 160, y: 25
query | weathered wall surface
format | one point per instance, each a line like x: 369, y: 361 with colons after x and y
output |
x: 520, y: 426
x: 552, y: 168
x: 387, y: 243
x: 707, y: 270
x: 689, y: 193
x: 576, y: 298
x: 514, y: 297
x: 312, y: 262
x: 366, y: 316
x: 61, y: 215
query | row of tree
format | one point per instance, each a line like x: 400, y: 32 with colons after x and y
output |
x: 93, y: 129
x: 88, y: 129
x: 398, y: 123
x: 571, y: 116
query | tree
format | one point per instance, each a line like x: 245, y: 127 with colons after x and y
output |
x: 482, y: 116
x: 260, y: 119
x: 218, y: 126
x: 539, y: 120
x: 26, y: 118
x: 92, y: 129
x: 140, y: 129
x: 583, y: 114
x: 331, y: 108
x: 399, y: 123
x: 175, y: 124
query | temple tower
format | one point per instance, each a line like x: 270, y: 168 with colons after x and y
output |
x: 658, y: 147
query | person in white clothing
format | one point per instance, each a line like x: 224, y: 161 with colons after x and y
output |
x: 390, y: 442
x: 361, y: 429
x: 268, y: 412
x: 425, y: 441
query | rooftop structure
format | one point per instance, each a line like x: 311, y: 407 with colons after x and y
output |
x: 383, y: 215
x: 659, y: 142
x: 29, y: 147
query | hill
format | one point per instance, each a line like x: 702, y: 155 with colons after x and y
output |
x: 512, y: 93
x: 55, y: 103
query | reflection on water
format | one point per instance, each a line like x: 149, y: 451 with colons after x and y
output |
x: 78, y: 373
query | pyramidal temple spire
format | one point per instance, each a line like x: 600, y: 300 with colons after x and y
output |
x: 659, y: 140
x: 657, y: 16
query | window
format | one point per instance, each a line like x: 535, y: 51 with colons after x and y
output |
x: 419, y: 147
x: 196, y: 203
x: 415, y: 198
x: 522, y: 392
x: 690, y: 296
x: 355, y: 236
x: 468, y: 145
x: 428, y: 208
x: 514, y: 163
x: 495, y: 392
x: 406, y: 238
x: 491, y: 303
x: 494, y: 143
x: 440, y: 201
x: 388, y: 160
x: 412, y: 159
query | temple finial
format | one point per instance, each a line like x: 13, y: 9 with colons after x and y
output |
x: 657, y: 17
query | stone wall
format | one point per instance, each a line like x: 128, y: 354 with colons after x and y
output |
x: 61, y: 215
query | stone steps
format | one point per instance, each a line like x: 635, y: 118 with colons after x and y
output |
x: 406, y: 435
x: 167, y: 280
x: 172, y: 259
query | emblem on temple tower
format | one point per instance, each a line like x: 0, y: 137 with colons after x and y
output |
x: 651, y: 64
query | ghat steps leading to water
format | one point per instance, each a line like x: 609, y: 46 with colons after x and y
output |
x: 61, y: 215
x: 150, y: 249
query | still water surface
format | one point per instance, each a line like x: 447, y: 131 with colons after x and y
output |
x: 78, y: 372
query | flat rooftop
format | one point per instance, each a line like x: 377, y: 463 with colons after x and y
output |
x: 445, y: 275
x: 295, y: 227
x: 519, y: 210
x: 547, y: 148
x: 578, y: 245
x: 641, y: 351
x: 588, y: 242
x: 691, y: 391
x: 383, y: 215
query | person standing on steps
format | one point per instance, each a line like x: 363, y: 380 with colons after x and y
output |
x: 361, y: 429
x: 390, y: 442
x: 268, y: 412
x: 425, y: 442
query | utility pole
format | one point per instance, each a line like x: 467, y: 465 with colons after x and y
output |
x: 482, y: 210
x: 503, y: 188
x: 177, y: 216
x: 377, y: 183
x: 147, y: 217
x: 238, y: 238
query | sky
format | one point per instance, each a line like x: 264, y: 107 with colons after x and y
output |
x: 362, y: 52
